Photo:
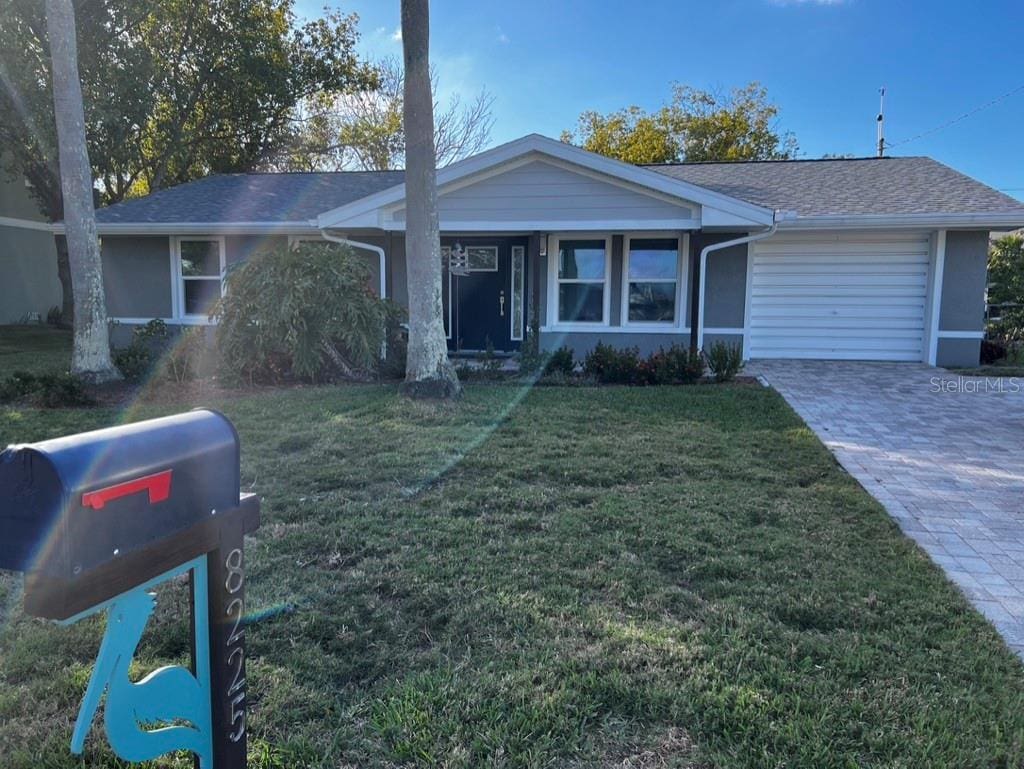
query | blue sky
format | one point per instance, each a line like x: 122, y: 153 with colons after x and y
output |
x: 545, y: 61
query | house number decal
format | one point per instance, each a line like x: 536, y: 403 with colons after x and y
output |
x: 235, y: 643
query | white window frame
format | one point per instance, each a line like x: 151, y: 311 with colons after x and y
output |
x: 682, y: 265
x: 518, y: 252
x: 178, y: 279
x: 554, y: 282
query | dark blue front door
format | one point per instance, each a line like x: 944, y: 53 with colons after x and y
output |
x: 484, y: 291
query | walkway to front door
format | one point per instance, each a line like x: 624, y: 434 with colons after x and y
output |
x: 944, y: 456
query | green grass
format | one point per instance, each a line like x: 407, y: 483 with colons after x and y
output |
x: 587, y: 578
x: 36, y: 349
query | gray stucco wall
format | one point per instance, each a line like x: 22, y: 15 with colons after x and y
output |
x: 958, y: 352
x: 963, y: 282
x: 28, y: 274
x: 964, y: 277
x: 28, y: 258
x: 137, y: 276
x: 726, y: 288
x: 582, y: 342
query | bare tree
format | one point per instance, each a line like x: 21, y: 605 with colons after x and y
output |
x: 364, y: 131
x: 90, y: 356
x: 429, y: 373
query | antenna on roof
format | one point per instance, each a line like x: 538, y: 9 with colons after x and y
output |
x: 881, y: 122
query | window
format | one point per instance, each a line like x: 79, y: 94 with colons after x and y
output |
x: 582, y: 273
x: 518, y: 290
x: 652, y: 282
x: 462, y: 260
x: 200, y: 270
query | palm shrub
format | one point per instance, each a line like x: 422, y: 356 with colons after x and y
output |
x: 305, y: 312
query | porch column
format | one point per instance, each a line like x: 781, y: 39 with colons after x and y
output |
x: 695, y: 297
x: 533, y: 259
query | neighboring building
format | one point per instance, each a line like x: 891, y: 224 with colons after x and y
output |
x: 28, y: 258
x: 877, y: 259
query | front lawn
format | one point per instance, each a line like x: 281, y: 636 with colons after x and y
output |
x: 588, y: 577
x: 36, y: 349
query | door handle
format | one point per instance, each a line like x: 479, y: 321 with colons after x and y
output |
x: 501, y: 304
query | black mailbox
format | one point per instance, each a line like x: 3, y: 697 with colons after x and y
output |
x: 71, y: 507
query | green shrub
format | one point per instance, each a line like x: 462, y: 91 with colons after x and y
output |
x: 676, y: 365
x: 184, y: 358
x: 46, y: 390
x: 560, y: 361
x: 393, y: 365
x: 135, y: 361
x: 725, y: 361
x: 531, y: 359
x: 610, y: 365
x: 303, y: 312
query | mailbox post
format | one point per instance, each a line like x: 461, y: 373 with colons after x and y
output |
x: 96, y: 521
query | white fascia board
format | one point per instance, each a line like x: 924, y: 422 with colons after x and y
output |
x: 993, y: 221
x: 26, y: 224
x: 204, y: 228
x: 534, y: 143
x: 568, y: 225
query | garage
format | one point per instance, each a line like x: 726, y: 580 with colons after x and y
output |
x: 839, y: 297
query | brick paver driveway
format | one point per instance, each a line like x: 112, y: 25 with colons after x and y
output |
x: 945, y: 456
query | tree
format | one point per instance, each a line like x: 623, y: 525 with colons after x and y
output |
x: 90, y: 356
x: 363, y: 130
x: 174, y: 89
x: 694, y: 125
x: 429, y: 373
x: 1006, y: 286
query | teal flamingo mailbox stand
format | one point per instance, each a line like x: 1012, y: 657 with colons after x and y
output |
x: 96, y: 521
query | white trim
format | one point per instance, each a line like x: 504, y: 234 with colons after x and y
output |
x: 178, y: 297
x: 670, y: 330
x: 189, y: 321
x: 935, y: 306
x: 541, y: 145
x: 202, y: 228
x: 961, y: 334
x: 26, y: 224
x: 682, y: 251
x: 516, y: 335
x: 518, y: 227
x: 451, y: 299
x: 554, y: 281
x: 748, y: 301
x: 897, y: 221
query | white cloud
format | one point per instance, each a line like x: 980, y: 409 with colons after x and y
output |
x: 397, y: 35
x: 502, y: 37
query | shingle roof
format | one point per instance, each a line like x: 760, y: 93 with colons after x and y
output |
x: 287, y: 197
x: 844, y: 187
x: 911, y: 185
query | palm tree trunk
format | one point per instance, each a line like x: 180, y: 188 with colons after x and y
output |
x: 90, y: 356
x: 429, y: 373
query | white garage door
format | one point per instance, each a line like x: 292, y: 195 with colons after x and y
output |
x: 850, y: 299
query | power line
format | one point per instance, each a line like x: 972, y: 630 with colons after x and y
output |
x: 955, y: 120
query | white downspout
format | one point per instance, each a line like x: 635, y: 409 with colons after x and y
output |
x: 704, y: 268
x: 367, y: 246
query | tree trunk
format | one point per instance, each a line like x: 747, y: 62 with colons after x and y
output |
x: 90, y: 356
x: 429, y: 373
x: 67, y: 304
